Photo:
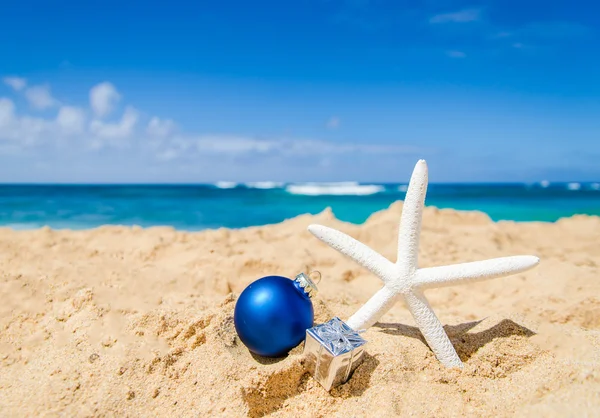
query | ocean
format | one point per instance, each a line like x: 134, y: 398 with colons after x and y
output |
x: 231, y: 205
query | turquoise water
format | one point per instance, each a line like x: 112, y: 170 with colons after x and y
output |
x: 196, y: 207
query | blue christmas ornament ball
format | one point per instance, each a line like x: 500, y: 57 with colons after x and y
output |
x: 272, y: 315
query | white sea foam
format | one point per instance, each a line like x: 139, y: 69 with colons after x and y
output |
x: 403, y: 188
x: 338, y: 189
x: 226, y: 184
x: 595, y: 186
x: 573, y: 186
x: 264, y: 185
x: 544, y: 183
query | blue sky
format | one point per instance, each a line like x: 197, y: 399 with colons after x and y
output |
x: 311, y: 90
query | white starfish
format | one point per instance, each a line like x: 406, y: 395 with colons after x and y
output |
x: 405, y: 279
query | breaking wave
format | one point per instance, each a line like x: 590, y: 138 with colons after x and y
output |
x: 338, y: 189
x: 226, y: 184
x: 264, y: 185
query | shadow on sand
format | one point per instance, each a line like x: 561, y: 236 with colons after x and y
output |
x: 464, y: 342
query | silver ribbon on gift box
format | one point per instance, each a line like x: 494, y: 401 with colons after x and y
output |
x: 332, y: 352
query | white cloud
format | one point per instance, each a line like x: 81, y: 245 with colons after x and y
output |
x: 333, y: 122
x: 103, y: 98
x: 159, y: 140
x: 17, y: 83
x: 307, y: 147
x: 7, y: 111
x: 456, y: 54
x: 168, y: 154
x: 462, y: 16
x: 160, y: 127
x: 40, y: 97
x: 119, y: 130
x: 204, y: 145
x: 71, y: 119
x: 222, y: 144
x: 24, y: 130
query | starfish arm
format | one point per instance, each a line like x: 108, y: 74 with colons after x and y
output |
x: 410, y: 221
x: 432, y: 329
x: 472, y: 272
x: 356, y: 250
x: 373, y: 310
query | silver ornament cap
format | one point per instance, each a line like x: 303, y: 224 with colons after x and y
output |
x: 306, y: 284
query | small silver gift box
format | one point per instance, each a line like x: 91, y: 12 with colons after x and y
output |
x: 332, y: 352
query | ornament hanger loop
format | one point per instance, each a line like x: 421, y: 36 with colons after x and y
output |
x: 318, y: 273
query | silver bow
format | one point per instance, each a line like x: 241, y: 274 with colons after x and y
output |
x: 338, y: 336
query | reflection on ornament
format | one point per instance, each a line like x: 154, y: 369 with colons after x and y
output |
x: 273, y: 313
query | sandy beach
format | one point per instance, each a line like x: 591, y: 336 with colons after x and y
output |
x: 132, y: 322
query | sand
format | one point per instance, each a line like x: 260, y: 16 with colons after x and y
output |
x: 132, y: 322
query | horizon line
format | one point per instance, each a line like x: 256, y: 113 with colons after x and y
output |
x: 286, y: 183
